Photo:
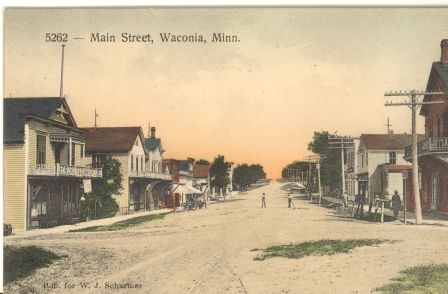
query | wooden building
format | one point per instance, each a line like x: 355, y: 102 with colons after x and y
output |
x: 44, y: 163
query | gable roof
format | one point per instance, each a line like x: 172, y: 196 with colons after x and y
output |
x: 438, y: 69
x: 17, y: 109
x: 388, y: 141
x: 112, y: 139
x: 201, y: 170
x: 152, y: 143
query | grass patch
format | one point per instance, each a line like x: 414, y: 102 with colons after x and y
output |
x: 316, y: 248
x: 420, y: 279
x: 122, y: 225
x: 19, y: 262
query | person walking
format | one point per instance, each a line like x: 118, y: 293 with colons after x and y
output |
x: 290, y: 202
x: 263, y: 201
x: 396, y: 203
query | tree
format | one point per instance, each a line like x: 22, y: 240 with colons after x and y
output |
x: 219, y: 173
x: 202, y: 162
x: 330, y: 167
x: 245, y: 175
x: 99, y: 203
x: 296, y: 169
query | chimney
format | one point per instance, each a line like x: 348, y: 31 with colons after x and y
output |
x: 444, y: 55
x: 153, y: 132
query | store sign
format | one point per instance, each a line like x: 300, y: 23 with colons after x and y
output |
x: 87, y: 183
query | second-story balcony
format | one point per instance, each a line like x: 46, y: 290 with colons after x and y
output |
x: 429, y: 146
x: 64, y: 170
x: 149, y: 175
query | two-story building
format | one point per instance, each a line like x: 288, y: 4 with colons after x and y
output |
x: 380, y: 156
x: 127, y: 145
x: 351, y: 169
x: 44, y: 163
x: 432, y: 151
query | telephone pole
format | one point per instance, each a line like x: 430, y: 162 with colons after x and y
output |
x: 414, y: 104
x: 343, y: 143
x: 61, y: 94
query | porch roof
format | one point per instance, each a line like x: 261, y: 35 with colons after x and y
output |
x: 398, y: 168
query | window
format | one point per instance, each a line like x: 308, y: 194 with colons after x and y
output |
x: 141, y: 163
x: 132, y: 162
x: 367, y: 159
x: 98, y: 159
x: 393, y: 157
x: 136, y: 163
x: 429, y: 127
x: 445, y: 124
x: 72, y: 162
x: 362, y: 160
x: 41, y: 149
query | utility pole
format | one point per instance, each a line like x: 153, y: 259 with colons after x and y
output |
x: 312, y: 159
x: 61, y: 94
x: 388, y: 125
x: 343, y: 143
x: 96, y: 115
x: 414, y: 104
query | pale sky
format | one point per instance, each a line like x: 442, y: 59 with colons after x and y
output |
x: 294, y: 71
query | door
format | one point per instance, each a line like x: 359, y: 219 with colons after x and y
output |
x: 434, y: 190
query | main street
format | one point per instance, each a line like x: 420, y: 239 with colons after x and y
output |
x: 211, y: 250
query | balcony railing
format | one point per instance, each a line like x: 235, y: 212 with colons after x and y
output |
x: 428, y: 146
x: 64, y: 170
x: 149, y: 175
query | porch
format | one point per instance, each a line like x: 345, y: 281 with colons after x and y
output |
x: 64, y: 170
x: 429, y: 146
x: 53, y: 201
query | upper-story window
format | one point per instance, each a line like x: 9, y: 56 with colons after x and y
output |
x: 136, y: 142
x: 367, y: 159
x: 72, y: 160
x: 41, y: 149
x: 429, y: 127
x: 132, y: 162
x: 445, y: 124
x: 136, y: 163
x: 141, y: 163
x: 98, y: 159
x: 393, y: 157
x: 362, y: 160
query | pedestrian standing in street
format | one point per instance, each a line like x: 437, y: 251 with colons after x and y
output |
x: 345, y: 198
x: 263, y: 201
x: 396, y: 203
x: 290, y: 202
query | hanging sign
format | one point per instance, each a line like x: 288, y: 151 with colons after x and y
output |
x: 87, y: 183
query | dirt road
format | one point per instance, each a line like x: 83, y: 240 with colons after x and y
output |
x: 209, y: 251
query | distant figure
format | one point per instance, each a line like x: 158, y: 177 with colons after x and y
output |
x: 345, y: 198
x: 290, y: 202
x: 263, y: 201
x: 396, y: 203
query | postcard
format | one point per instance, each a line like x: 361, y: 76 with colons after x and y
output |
x: 225, y: 150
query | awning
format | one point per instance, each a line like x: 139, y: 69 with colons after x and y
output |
x: 183, y: 189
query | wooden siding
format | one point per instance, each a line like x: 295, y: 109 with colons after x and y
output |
x: 14, y: 186
x: 39, y: 128
x: 123, y: 198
